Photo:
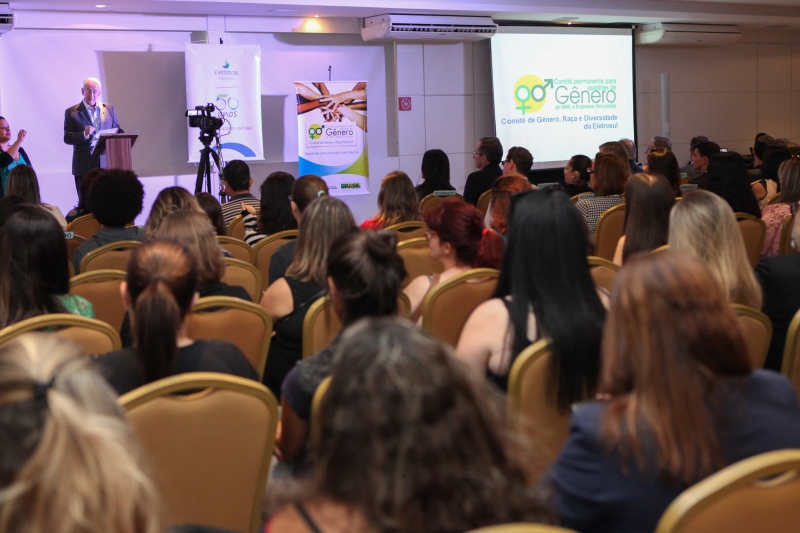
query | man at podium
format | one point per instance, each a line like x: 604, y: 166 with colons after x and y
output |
x: 83, y: 124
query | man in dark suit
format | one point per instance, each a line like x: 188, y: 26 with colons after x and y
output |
x: 702, y: 154
x: 82, y: 122
x: 487, y: 155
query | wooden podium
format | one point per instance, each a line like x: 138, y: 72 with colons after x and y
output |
x: 114, y: 150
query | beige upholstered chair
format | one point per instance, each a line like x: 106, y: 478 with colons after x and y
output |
x: 238, y: 249
x: 93, y: 336
x: 791, y: 353
x: 484, y: 200
x: 757, y: 494
x: 753, y: 230
x: 608, y: 232
x: 416, y: 254
x: 235, y: 228
x: 447, y: 305
x: 408, y: 230
x: 244, y: 324
x: 112, y: 256
x: 243, y: 274
x: 316, y: 404
x: 604, y: 272
x: 264, y: 249
x: 757, y: 329
x: 436, y: 198
x: 320, y: 326
x: 72, y: 244
x: 772, y: 200
x: 101, y: 288
x: 522, y: 527
x: 785, y: 246
x: 85, y: 226
x: 210, y: 450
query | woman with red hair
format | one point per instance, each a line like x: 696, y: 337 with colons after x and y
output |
x: 459, y: 241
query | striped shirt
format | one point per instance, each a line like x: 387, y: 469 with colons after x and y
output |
x: 592, y: 208
x: 233, y: 207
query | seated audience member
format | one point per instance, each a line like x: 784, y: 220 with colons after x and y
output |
x: 397, y: 202
x: 276, y: 209
x: 619, y: 150
x: 545, y: 291
x: 658, y: 142
x: 608, y: 178
x: 779, y: 277
x: 577, y: 175
x: 688, y: 169
x: 236, y: 183
x: 443, y: 460
x: 34, y: 272
x: 168, y: 201
x: 775, y: 214
x: 22, y: 181
x: 502, y: 191
x: 160, y: 288
x: 762, y: 143
x: 460, y: 241
x: 769, y: 185
x: 83, y: 202
x: 7, y: 205
x: 727, y: 177
x: 435, y: 173
x: 70, y: 460
x: 487, y: 156
x: 630, y: 148
x: 287, y: 300
x: 703, y: 225
x: 115, y: 201
x: 680, y: 401
x: 364, y: 277
x: 213, y: 211
x: 648, y: 201
x: 701, y: 156
x: 664, y: 163
x: 305, y: 190
x: 518, y: 162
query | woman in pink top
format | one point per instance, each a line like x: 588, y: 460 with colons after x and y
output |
x: 775, y: 214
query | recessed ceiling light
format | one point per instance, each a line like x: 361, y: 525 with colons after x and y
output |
x: 101, y: 6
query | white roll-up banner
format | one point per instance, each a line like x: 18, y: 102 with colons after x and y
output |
x: 228, y: 76
x: 332, y: 127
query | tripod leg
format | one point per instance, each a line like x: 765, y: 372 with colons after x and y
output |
x: 198, y: 184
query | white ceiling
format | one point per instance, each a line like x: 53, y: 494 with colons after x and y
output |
x: 745, y: 13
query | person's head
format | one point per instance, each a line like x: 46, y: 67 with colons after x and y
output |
x: 236, y: 178
x: 364, y: 274
x: 7, y: 205
x: 159, y: 289
x: 545, y: 269
x: 22, y: 181
x: 436, y: 170
x: 194, y: 231
x: 664, y: 163
x: 5, y: 131
x: 456, y: 230
x: 518, y: 162
x: 703, y: 225
x: 91, y: 91
x: 577, y: 170
x: 305, y: 190
x: 502, y: 190
x: 168, y: 201
x: 670, y: 336
x: 773, y: 158
x: 648, y: 201
x: 324, y: 221
x: 789, y: 175
x: 695, y: 141
x: 276, y: 208
x: 659, y: 142
x: 70, y: 461
x: 616, y: 148
x: 86, y: 186
x: 609, y: 174
x: 488, y: 151
x: 417, y: 469
x: 213, y: 211
x: 397, y: 200
x: 116, y: 198
x: 630, y: 148
x: 728, y: 177
x: 762, y: 142
x: 34, y: 270
x: 702, y: 154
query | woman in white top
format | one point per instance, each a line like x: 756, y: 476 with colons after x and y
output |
x: 22, y: 181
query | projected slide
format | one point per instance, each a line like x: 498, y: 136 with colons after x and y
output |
x: 562, y: 91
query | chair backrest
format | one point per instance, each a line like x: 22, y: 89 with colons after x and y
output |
x: 662, y: 248
x: 753, y: 230
x: 316, y: 404
x: 608, y: 231
x: 772, y: 200
x: 235, y: 228
x: 785, y: 246
x: 320, y: 326
x: 790, y: 367
x: 447, y: 305
x: 403, y: 305
x: 244, y: 324
x: 72, y: 245
x: 112, y: 256
x: 92, y: 335
x: 434, y: 199
x: 238, y: 249
x: 101, y: 288
x: 85, y: 226
x: 210, y: 451
x: 740, y: 498
x: 522, y: 527
x: 408, y: 230
x: 263, y: 250
x: 604, y: 272
x: 757, y: 329
x: 243, y: 274
x: 484, y: 200
x: 416, y: 254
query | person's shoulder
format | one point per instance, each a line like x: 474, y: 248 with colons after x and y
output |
x: 772, y: 384
x: 73, y: 109
x: 324, y: 512
x: 778, y: 265
x: 587, y: 417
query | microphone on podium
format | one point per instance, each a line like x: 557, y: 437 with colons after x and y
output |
x: 114, y: 122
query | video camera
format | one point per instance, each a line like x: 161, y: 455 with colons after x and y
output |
x: 200, y: 117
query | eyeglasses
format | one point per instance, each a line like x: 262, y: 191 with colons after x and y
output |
x: 503, y: 163
x: 429, y: 234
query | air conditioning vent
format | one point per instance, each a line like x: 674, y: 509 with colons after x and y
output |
x: 427, y: 27
x: 687, y: 35
x: 6, y: 18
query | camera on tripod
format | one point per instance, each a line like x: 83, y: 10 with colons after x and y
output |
x: 200, y: 117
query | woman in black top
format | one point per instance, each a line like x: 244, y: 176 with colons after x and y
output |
x: 435, y: 174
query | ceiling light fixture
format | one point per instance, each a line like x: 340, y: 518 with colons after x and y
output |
x: 101, y: 6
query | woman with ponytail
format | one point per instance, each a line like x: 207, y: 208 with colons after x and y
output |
x: 159, y: 290
x: 460, y: 242
x: 69, y: 461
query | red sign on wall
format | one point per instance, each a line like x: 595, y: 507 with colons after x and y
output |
x: 404, y: 103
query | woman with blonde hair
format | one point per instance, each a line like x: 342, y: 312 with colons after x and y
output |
x: 70, y: 462
x: 775, y: 214
x: 703, y: 225
x: 168, y: 201
x: 397, y: 202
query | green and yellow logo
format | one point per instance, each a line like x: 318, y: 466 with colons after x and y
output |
x: 530, y: 93
x: 315, y: 131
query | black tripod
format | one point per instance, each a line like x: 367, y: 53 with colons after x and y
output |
x: 204, y: 168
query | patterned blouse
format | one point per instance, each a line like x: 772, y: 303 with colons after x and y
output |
x: 592, y: 208
x: 773, y: 216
